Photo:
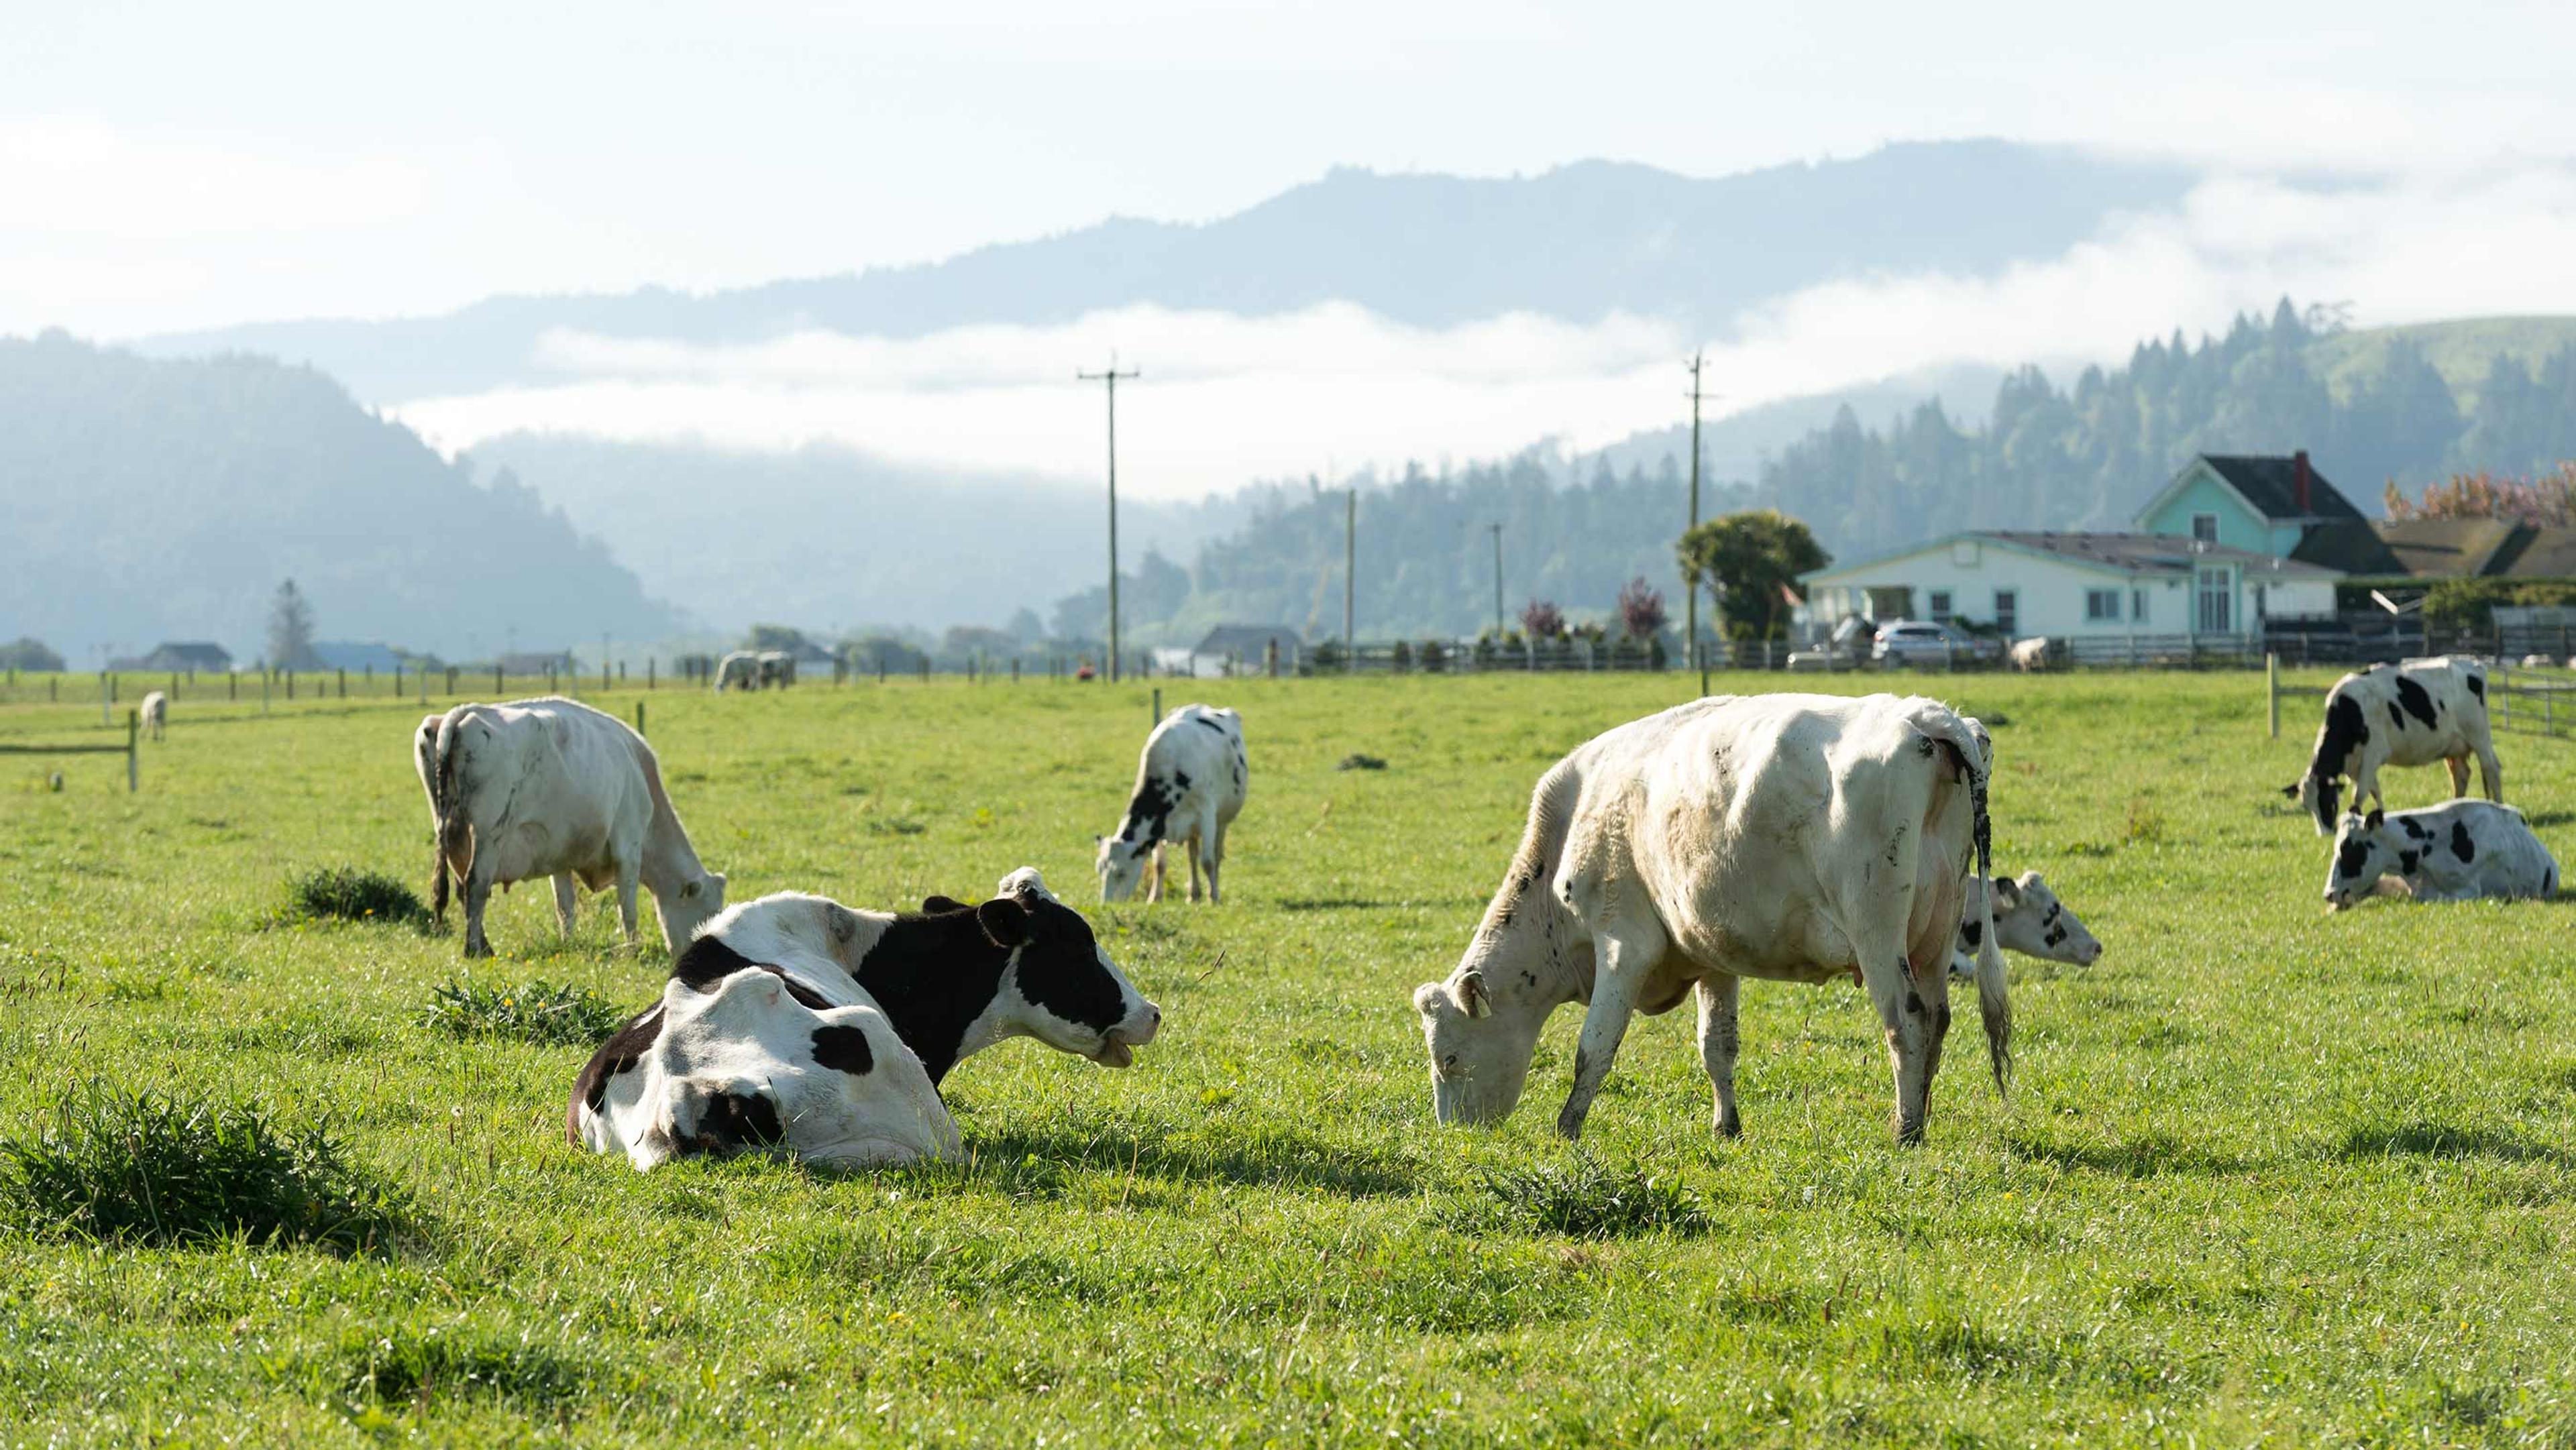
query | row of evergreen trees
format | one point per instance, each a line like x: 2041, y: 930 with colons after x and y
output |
x: 2084, y: 456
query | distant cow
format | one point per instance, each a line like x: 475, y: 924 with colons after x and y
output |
x: 2414, y: 713
x: 154, y: 713
x: 739, y: 670
x: 1190, y: 785
x: 2458, y: 851
x: 549, y: 787
x: 2028, y: 918
x: 777, y: 667
x: 1787, y: 837
x: 2030, y: 654
x: 948, y: 982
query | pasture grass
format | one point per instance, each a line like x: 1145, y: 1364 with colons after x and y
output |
x: 2266, y: 1174
x: 543, y: 1012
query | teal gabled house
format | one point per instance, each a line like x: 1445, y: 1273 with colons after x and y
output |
x: 2267, y: 504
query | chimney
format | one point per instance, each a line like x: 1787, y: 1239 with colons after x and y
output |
x: 2299, y: 480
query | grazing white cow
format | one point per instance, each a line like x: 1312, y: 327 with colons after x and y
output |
x: 2030, y: 654
x: 1190, y: 785
x: 949, y: 982
x: 2458, y: 851
x: 1788, y: 837
x: 739, y: 670
x: 2538, y: 662
x: 2413, y: 713
x: 2028, y: 918
x: 154, y: 713
x: 549, y: 787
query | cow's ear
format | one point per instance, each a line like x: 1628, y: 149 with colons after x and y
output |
x: 2006, y: 893
x: 940, y: 905
x: 2032, y: 881
x: 2374, y: 820
x: 1005, y: 921
x: 1474, y: 997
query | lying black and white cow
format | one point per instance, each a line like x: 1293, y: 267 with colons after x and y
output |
x: 1190, y: 786
x: 2029, y: 919
x: 949, y: 982
x: 2413, y: 713
x: 2455, y: 852
x: 1788, y: 837
x: 552, y: 787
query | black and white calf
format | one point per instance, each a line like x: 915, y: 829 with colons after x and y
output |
x: 1189, y: 788
x: 2459, y: 851
x: 2029, y: 919
x: 2413, y: 713
x: 946, y: 982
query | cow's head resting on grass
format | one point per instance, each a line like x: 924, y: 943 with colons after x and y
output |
x: 2365, y: 849
x: 1058, y: 985
x: 1480, y: 1050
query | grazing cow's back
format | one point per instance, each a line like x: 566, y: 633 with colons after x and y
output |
x: 2413, y: 713
x: 1791, y: 837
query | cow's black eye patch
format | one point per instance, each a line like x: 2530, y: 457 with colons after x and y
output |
x: 844, y: 1049
x: 2349, y: 857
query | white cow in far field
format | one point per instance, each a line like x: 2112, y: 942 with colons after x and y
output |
x: 739, y: 670
x: 2030, y: 654
x: 154, y: 713
x: 550, y: 787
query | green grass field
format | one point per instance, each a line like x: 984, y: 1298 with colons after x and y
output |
x: 2267, y: 1174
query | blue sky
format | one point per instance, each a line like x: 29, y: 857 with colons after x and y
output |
x: 180, y: 165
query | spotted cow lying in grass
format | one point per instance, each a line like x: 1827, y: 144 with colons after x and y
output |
x: 1190, y: 786
x: 946, y: 983
x: 2029, y: 919
x: 2459, y: 851
x: 1782, y: 837
x: 2414, y: 713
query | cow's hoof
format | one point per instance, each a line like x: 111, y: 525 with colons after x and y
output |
x: 1909, y: 1135
x: 475, y: 949
x: 1730, y: 1127
x: 1569, y: 1125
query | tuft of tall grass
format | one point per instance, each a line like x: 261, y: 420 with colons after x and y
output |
x: 343, y: 893
x: 408, y: 1366
x: 1579, y: 1198
x: 541, y: 1012
x: 149, y: 1168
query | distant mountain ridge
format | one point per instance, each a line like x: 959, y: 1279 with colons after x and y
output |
x: 1576, y: 243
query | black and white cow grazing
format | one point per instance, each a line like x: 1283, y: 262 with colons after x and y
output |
x: 2029, y: 919
x: 1785, y: 837
x: 1189, y: 788
x: 782, y: 1056
x: 2413, y: 713
x: 2455, y: 852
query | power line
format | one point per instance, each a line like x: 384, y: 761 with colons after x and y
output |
x: 1111, y: 377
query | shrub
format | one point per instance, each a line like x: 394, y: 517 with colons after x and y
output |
x: 540, y: 1012
x: 1582, y: 1199
x: 1541, y: 619
x: 344, y: 893
x: 147, y: 1168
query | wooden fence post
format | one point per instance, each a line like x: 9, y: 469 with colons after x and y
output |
x: 1158, y: 705
x: 2272, y: 693
x: 639, y: 717
x: 133, y: 738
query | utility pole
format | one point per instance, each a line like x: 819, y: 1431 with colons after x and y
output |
x: 1498, y: 581
x: 1111, y: 377
x: 1350, y: 571
x: 1690, y: 587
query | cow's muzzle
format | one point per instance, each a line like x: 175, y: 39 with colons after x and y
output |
x: 1118, y: 1046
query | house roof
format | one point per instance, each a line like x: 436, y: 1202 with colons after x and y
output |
x: 2457, y: 548
x: 2349, y: 546
x: 2269, y: 481
x: 1249, y: 640
x: 202, y: 652
x: 2548, y: 553
x: 2126, y: 554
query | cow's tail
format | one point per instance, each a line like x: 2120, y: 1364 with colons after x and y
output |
x: 1968, y: 747
x: 455, y: 844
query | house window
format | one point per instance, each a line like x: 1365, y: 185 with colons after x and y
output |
x: 2204, y: 527
x: 1941, y: 606
x: 2101, y: 604
x: 2007, y: 612
x: 2215, y: 597
x: 2137, y: 606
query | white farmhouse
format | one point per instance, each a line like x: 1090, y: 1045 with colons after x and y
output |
x: 2074, y: 585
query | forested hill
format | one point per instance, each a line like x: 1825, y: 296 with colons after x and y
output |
x: 2408, y: 404
x: 151, y: 500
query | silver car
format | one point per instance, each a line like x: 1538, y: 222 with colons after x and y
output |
x: 1903, y: 642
